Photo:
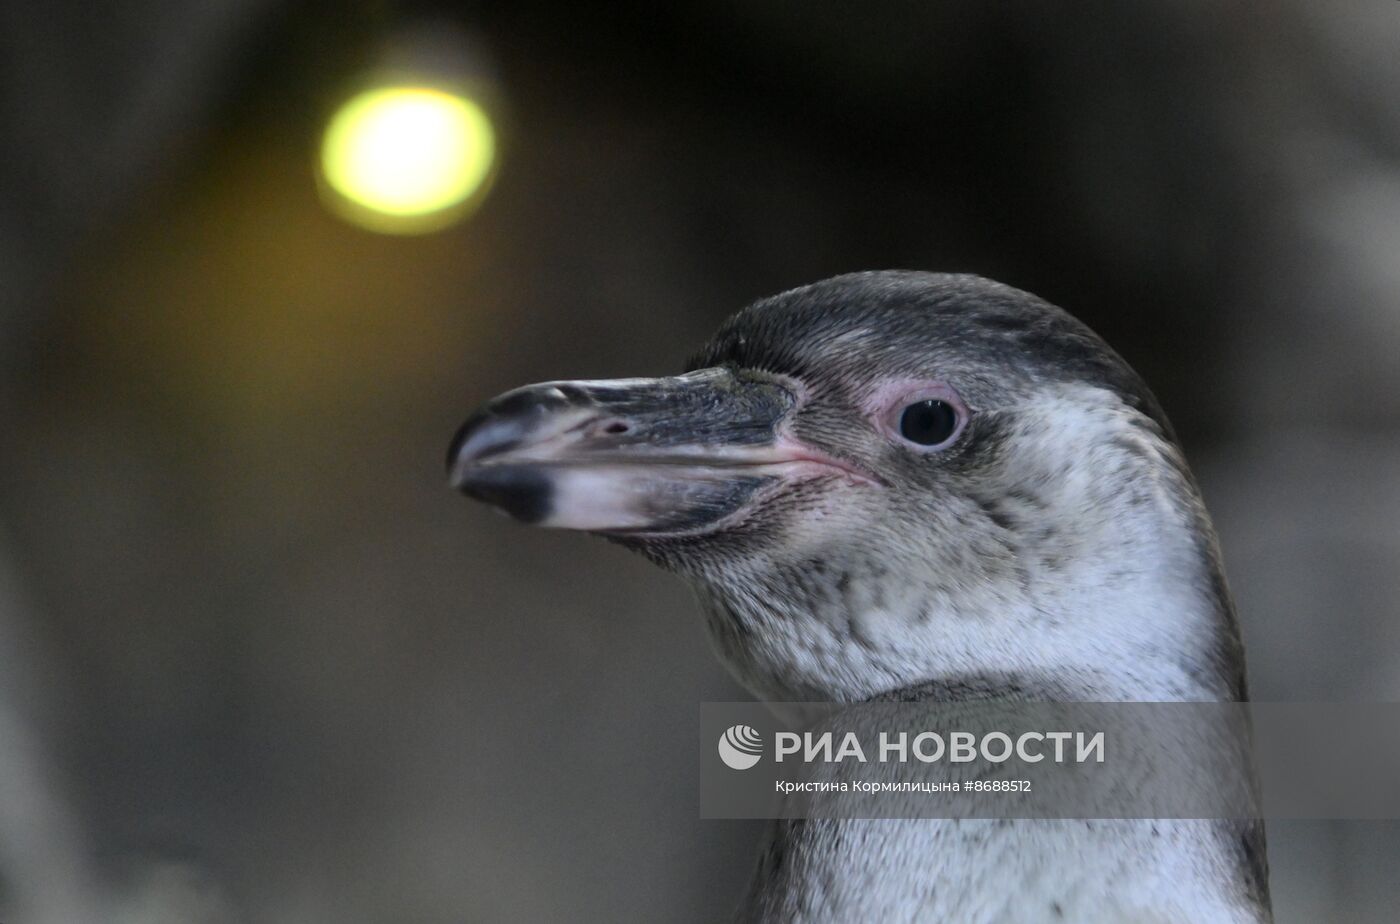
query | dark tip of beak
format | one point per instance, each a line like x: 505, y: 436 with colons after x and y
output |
x: 486, y: 434
x: 464, y: 432
x: 520, y: 491
x: 509, y: 421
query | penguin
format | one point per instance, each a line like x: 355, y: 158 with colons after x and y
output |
x: 915, y: 486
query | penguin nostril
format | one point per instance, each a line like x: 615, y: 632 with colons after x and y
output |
x: 616, y: 428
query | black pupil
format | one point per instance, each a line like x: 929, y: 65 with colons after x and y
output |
x: 928, y: 423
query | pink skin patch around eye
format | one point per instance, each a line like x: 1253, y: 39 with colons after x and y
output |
x: 887, y: 402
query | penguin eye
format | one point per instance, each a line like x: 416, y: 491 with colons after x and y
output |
x: 930, y: 422
x: 923, y: 415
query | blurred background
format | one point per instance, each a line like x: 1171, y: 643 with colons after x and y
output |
x: 258, y: 664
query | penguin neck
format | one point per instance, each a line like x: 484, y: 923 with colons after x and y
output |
x: 1148, y: 636
x: 1139, y: 614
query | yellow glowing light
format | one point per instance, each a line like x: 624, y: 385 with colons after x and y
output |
x: 408, y: 158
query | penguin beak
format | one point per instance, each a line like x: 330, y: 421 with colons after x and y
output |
x: 676, y: 455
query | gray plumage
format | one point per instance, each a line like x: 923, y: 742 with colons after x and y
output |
x: 1053, y: 547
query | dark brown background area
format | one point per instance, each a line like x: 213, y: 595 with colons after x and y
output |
x: 258, y: 664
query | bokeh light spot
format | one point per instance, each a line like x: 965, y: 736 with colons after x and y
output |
x: 407, y: 158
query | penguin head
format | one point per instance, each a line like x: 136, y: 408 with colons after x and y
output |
x: 876, y: 477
